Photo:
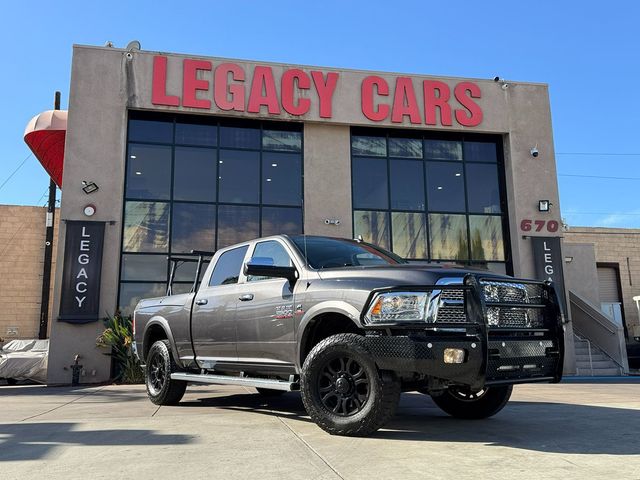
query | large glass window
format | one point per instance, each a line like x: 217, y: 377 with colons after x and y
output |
x: 228, y: 266
x: 430, y: 196
x: 202, y: 183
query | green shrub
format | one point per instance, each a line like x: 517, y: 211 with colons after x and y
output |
x: 118, y: 336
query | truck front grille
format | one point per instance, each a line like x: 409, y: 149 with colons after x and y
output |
x: 451, y: 306
x: 514, y: 304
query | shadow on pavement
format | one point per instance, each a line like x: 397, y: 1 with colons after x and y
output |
x: 33, y: 441
x: 537, y: 426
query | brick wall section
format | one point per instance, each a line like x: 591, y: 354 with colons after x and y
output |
x: 615, y: 245
x: 22, y: 237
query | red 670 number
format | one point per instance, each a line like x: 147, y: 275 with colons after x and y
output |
x: 528, y: 225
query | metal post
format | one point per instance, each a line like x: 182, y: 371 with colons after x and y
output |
x: 48, y: 250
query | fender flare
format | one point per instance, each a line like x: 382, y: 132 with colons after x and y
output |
x: 330, y: 306
x: 164, y: 325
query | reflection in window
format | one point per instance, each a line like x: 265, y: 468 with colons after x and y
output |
x: 132, y: 293
x: 407, y: 185
x: 239, y: 176
x: 486, y: 237
x: 144, y: 267
x: 409, y: 234
x: 146, y: 227
x: 483, y: 192
x: 370, y: 184
x: 186, y: 271
x: 237, y: 224
x: 480, y: 152
x: 369, y: 146
x: 228, y: 266
x: 193, y: 227
x: 445, y: 187
x: 238, y: 137
x: 276, y: 221
x: 283, y: 141
x: 448, y: 237
x: 372, y: 226
x: 442, y: 150
x: 196, y: 134
x: 405, y: 147
x: 281, y: 178
x: 149, y: 172
x: 272, y: 251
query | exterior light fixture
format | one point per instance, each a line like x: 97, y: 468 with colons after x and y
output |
x: 544, y: 205
x: 568, y: 259
x: 89, y: 187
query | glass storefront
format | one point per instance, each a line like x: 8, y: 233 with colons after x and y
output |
x: 436, y: 197
x: 202, y: 183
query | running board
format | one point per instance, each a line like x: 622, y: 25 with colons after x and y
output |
x: 272, y: 384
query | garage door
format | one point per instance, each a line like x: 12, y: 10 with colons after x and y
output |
x: 608, y: 285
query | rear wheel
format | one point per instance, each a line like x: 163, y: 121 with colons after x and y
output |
x: 461, y: 402
x: 342, y: 389
x: 161, y: 389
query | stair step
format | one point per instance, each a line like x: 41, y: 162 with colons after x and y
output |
x: 595, y: 357
x: 596, y: 365
x: 598, y: 372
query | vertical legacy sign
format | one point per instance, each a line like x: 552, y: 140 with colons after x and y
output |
x: 81, y: 272
x: 548, y: 259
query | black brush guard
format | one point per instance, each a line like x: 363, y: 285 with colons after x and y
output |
x: 493, y: 355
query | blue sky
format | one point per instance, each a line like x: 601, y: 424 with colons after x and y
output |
x: 587, y: 51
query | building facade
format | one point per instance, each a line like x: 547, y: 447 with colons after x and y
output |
x: 172, y: 153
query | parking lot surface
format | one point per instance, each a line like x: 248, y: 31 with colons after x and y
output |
x: 580, y: 430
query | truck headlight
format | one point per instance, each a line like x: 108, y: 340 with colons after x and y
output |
x: 395, y: 307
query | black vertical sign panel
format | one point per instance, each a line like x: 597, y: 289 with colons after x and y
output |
x: 81, y: 272
x: 548, y: 259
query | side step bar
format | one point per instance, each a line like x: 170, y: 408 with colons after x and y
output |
x: 285, y: 385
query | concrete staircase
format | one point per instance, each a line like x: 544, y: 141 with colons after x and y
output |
x: 593, y: 362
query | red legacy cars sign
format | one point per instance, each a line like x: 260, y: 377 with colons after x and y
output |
x: 233, y: 89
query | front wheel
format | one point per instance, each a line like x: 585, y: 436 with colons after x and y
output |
x: 161, y: 389
x: 342, y: 389
x: 461, y: 402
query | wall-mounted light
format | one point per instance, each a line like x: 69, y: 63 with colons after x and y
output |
x: 89, y: 187
x: 568, y: 259
x: 544, y: 205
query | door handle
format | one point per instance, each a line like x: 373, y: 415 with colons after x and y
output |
x: 202, y: 301
x: 246, y: 298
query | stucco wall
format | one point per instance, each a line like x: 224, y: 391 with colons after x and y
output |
x: 22, y: 238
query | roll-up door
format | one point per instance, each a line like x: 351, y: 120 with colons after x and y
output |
x: 608, y: 285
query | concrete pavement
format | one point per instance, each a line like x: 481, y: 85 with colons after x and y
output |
x: 569, y: 431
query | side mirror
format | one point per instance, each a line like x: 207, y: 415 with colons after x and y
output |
x: 264, y: 267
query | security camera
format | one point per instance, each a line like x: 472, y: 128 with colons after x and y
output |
x: 128, y: 56
x: 497, y: 79
x: 535, y: 152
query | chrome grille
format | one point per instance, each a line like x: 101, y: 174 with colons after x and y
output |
x: 512, y: 292
x: 504, y: 317
x: 451, y: 306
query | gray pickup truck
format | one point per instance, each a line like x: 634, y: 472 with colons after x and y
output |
x: 351, y: 326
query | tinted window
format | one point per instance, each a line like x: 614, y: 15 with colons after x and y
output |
x: 480, y: 152
x: 372, y: 227
x: 448, y: 237
x: 482, y: 188
x: 281, y: 220
x: 132, y: 293
x: 407, y: 185
x: 281, y: 178
x: 228, y: 266
x: 370, y: 184
x: 194, y: 134
x: 333, y: 253
x: 193, y: 227
x: 144, y: 267
x: 237, y: 137
x: 150, y: 131
x: 149, y: 172
x: 442, y: 150
x: 369, y: 146
x: 239, y: 176
x: 237, y: 224
x: 270, y: 251
x: 445, y: 187
x: 146, y: 227
x: 194, y: 176
x: 405, y: 147
x: 278, y: 140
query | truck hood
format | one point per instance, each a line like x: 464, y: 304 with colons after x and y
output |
x: 402, y: 274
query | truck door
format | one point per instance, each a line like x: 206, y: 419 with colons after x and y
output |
x: 265, y: 312
x: 214, y: 310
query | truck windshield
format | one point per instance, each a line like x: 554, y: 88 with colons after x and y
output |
x: 323, y: 252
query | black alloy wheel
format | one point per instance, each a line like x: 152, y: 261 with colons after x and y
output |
x: 342, y: 389
x: 161, y: 388
x: 343, y: 385
x: 461, y: 402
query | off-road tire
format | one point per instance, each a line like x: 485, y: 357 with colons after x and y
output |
x: 382, y: 396
x: 270, y: 392
x: 462, y: 404
x: 161, y: 389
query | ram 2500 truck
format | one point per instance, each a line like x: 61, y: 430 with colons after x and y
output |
x: 351, y: 326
